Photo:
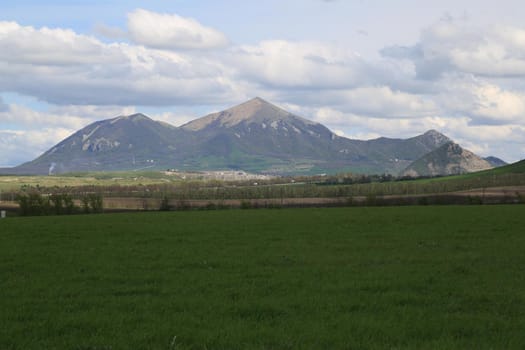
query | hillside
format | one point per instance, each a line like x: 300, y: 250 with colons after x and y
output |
x: 513, y: 168
x: 449, y: 159
x: 258, y: 134
x: 122, y: 143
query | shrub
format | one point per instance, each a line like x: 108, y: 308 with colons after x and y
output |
x: 69, y: 205
x: 33, y: 204
x: 57, y: 201
x: 85, y: 204
x: 165, y: 204
x: 246, y: 205
x: 210, y: 206
x: 96, y: 202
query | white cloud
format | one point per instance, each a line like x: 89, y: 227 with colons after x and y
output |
x: 499, y: 105
x: 454, y: 45
x: 499, y: 51
x: 37, y: 131
x: 68, y: 117
x: 170, y: 31
x: 383, y: 101
x: 51, y: 49
x: 175, y: 119
x: 76, y: 69
x: 17, y: 146
x: 457, y: 79
x: 285, y: 64
x: 92, y: 112
x: 483, y: 102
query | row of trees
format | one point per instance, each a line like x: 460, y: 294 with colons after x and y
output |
x: 34, y: 203
x: 89, y: 199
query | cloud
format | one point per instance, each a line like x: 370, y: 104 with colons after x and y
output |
x: 110, y: 32
x: 51, y: 48
x: 172, y: 32
x: 77, y: 69
x: 3, y: 106
x: 383, y: 101
x: 309, y: 65
x: 457, y: 79
x: 453, y: 46
x: 484, y: 102
x: 17, y: 146
x: 68, y: 117
x: 176, y: 119
x: 37, y: 131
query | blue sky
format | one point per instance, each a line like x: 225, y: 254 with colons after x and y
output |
x: 363, y: 68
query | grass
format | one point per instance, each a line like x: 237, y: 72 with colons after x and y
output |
x: 514, y: 168
x: 343, y: 278
x: 14, y: 182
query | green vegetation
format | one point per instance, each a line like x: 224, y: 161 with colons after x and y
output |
x: 130, y: 178
x: 176, y: 190
x: 345, y: 278
x: 514, y: 168
x: 33, y: 203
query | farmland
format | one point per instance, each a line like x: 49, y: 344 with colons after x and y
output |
x: 148, y: 190
x: 318, y: 278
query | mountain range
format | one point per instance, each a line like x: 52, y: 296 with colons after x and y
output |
x: 255, y: 136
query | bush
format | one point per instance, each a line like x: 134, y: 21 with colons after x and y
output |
x: 97, y: 203
x: 246, y: 205
x: 92, y: 203
x: 210, y: 206
x: 165, y: 204
x: 33, y: 204
x: 69, y: 205
x: 85, y: 204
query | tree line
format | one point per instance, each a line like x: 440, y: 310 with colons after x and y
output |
x: 36, y: 204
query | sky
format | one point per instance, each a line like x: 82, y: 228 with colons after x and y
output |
x: 363, y: 68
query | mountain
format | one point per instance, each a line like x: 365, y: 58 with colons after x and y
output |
x: 449, y: 159
x: 258, y: 134
x: 495, y: 162
x: 254, y: 136
x: 122, y: 143
x: 386, y: 155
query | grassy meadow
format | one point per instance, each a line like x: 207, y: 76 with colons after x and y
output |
x: 447, y: 277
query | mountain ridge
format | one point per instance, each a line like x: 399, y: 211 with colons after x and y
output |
x: 449, y: 159
x: 254, y: 136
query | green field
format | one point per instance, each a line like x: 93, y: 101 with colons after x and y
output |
x: 130, y: 178
x: 344, y: 278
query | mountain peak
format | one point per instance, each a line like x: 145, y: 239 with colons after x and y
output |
x: 254, y: 136
x: 436, y: 135
x: 132, y: 117
x: 434, y: 138
x: 258, y: 99
x: 255, y: 110
x: 432, y: 132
